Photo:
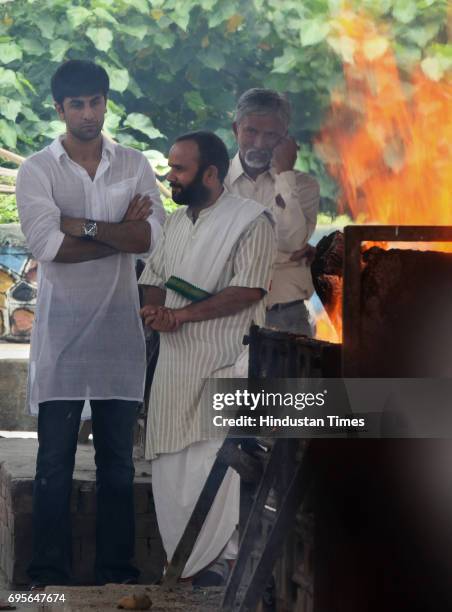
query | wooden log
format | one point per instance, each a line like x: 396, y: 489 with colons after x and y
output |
x: 12, y: 157
x: 327, y: 271
x: 10, y: 172
x: 329, y: 255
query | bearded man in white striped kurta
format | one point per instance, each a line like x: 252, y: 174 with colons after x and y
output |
x: 204, y: 285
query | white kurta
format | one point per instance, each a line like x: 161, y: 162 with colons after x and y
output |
x: 295, y: 213
x: 187, y: 357
x: 198, y: 350
x: 87, y: 340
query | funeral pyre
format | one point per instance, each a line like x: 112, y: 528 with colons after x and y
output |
x: 388, y: 142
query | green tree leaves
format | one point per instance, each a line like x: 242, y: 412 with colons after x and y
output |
x: 8, y: 80
x: 438, y: 63
x: 314, y: 31
x: 10, y: 108
x: 142, y: 124
x: 119, y: 78
x: 287, y: 62
x: 58, y: 49
x: 101, y: 37
x: 179, y: 65
x: 8, y: 134
x: 77, y: 15
x: 9, y: 52
x: 213, y: 58
x: 405, y: 11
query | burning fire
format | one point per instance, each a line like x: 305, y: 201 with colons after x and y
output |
x: 387, y: 140
x: 329, y: 325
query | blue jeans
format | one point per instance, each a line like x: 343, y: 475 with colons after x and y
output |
x: 58, y: 424
x: 290, y: 317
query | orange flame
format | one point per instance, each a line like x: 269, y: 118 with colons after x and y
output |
x: 388, y: 140
x: 325, y: 329
x: 329, y: 325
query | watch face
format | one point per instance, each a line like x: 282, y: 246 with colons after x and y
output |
x: 90, y: 229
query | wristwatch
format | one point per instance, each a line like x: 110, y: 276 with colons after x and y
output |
x: 89, y: 229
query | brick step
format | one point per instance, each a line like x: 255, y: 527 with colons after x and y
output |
x: 17, y: 467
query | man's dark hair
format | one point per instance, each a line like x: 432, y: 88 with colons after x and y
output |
x: 212, y: 151
x: 79, y: 78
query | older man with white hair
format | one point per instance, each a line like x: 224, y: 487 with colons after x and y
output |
x: 263, y: 170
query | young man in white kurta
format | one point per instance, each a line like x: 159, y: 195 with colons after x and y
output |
x: 87, y: 339
x: 263, y: 170
x: 83, y: 220
x: 229, y: 245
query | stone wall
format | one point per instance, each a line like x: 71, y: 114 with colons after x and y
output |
x: 13, y: 394
x: 17, y: 460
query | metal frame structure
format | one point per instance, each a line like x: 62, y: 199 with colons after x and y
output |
x: 354, y: 236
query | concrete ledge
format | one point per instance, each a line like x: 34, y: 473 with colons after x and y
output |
x: 13, y: 395
x: 17, y: 469
x: 14, y: 350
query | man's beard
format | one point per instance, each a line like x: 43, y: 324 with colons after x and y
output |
x: 258, y: 158
x: 194, y: 194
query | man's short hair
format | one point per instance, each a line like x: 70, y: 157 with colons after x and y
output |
x: 263, y: 102
x: 212, y: 151
x: 79, y: 78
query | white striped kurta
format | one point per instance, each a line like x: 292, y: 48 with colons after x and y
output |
x: 182, y: 461
x: 197, y: 350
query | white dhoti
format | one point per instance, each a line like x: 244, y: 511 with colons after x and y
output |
x: 177, y: 481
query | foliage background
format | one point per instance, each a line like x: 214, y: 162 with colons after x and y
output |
x: 178, y: 65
